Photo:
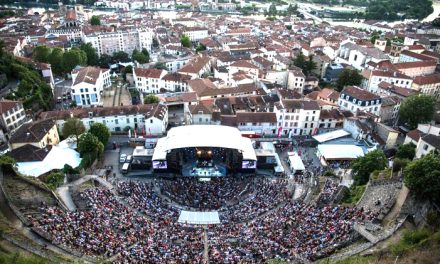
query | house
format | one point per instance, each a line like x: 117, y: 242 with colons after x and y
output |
x: 372, y: 79
x: 428, y: 84
x: 151, y: 118
x: 12, y: 116
x: 261, y: 123
x: 355, y: 99
x: 296, y: 80
x: 427, y: 144
x: 176, y: 82
x: 196, y: 67
x: 39, y: 134
x: 201, y: 114
x: 149, y: 80
x: 387, y: 134
x: 331, y: 119
x: 358, y: 56
x: 88, y: 84
x: 426, y: 138
x: 246, y: 67
x: 389, y: 111
x: 297, y: 117
x: 416, y: 68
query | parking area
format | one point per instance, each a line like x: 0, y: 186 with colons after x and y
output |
x: 62, y: 93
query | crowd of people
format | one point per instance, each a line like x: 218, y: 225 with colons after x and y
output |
x: 329, y: 191
x: 138, y: 226
x: 204, y: 195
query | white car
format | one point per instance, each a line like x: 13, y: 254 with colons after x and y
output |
x: 129, y: 158
x: 122, y: 158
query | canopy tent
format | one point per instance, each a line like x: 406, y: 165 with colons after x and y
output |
x: 56, y: 159
x: 199, y: 218
x: 204, y: 136
x: 339, y: 152
x: 295, y: 161
x: 331, y: 135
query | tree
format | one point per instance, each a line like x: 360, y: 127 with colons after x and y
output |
x: 120, y: 56
x: 100, y: 131
x: 436, y: 23
x: 348, y: 77
x: 90, y: 148
x: 406, y: 151
x: 417, y: 109
x: 127, y: 70
x: 374, y: 37
x: 151, y: 99
x: 362, y: 167
x: 92, y: 55
x: 73, y: 58
x: 95, y: 21
x: 291, y: 10
x: 139, y: 57
x: 300, y: 61
x: 105, y: 60
x: 272, y: 12
x: 73, y: 127
x: 310, y: 66
x: 423, y: 177
x: 185, y: 41
x: 41, y: 54
x: 7, y: 160
x: 56, y: 60
x: 54, y: 180
x: 200, y: 47
x: 160, y: 66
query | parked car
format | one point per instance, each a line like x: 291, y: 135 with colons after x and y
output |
x: 122, y: 158
x: 129, y: 158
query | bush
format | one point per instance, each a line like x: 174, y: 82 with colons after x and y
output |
x: 54, y: 180
x: 410, y: 239
x: 354, y: 194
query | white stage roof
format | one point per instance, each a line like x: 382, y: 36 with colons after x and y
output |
x: 204, y: 136
x: 331, y: 135
x: 199, y: 218
x: 340, y: 152
x: 56, y: 159
x: 295, y: 161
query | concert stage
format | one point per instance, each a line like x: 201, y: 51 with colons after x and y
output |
x: 191, y: 170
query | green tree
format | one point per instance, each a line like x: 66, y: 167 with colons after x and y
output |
x: 73, y: 58
x: 436, y: 23
x: 105, y: 60
x: 423, y: 177
x: 139, y: 57
x: 362, y: 167
x: 291, y: 10
x: 406, y: 151
x: 41, y: 54
x: 417, y: 109
x: 309, y: 66
x: 160, y: 66
x: 272, y: 12
x: 95, y: 21
x: 54, y: 180
x: 100, y: 131
x: 88, y: 143
x: 73, y: 127
x: 56, y: 60
x: 348, y: 77
x: 92, y: 55
x: 374, y: 37
x: 151, y: 99
x: 7, y: 160
x: 120, y: 56
x: 200, y: 47
x: 146, y: 53
x: 127, y: 70
x: 185, y: 41
x: 300, y: 61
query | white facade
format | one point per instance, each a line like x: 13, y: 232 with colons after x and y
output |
x: 87, y: 91
x: 297, y: 120
x: 359, y: 100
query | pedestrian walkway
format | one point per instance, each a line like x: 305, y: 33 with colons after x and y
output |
x: 64, y: 193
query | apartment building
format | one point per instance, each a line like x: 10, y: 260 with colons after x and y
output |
x: 88, y: 84
x: 297, y: 117
x: 126, y: 41
x: 149, y: 80
x: 356, y: 99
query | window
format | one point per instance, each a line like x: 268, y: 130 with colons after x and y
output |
x: 151, y: 121
x: 425, y: 147
x: 116, y: 121
x: 128, y: 120
x: 305, y: 125
x: 307, y: 118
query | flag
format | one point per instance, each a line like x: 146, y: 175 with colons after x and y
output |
x: 135, y: 134
x: 280, y: 130
x: 129, y: 133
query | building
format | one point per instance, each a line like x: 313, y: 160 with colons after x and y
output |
x: 416, y: 68
x: 389, y: 111
x: 196, y: 34
x: 358, y: 56
x: 428, y: 84
x: 149, y: 81
x: 372, y: 79
x: 297, y: 117
x: 88, y: 84
x: 39, y: 134
x: 147, y: 119
x: 355, y: 99
x: 259, y: 122
x: 126, y: 41
x: 12, y: 116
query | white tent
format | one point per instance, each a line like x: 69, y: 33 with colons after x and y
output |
x: 295, y: 161
x: 340, y: 152
x: 56, y: 159
x: 331, y: 135
x: 199, y: 218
